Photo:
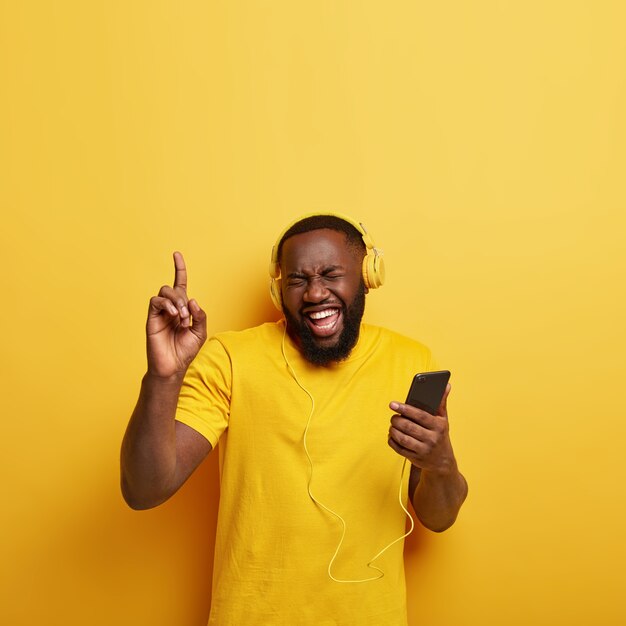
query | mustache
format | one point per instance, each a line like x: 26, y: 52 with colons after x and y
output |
x: 309, y: 346
x: 305, y: 310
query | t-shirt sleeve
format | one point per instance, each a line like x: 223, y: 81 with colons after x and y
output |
x: 204, y: 399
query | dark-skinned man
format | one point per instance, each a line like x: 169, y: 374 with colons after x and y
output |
x: 312, y: 472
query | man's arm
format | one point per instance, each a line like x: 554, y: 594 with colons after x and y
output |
x: 159, y: 454
x: 436, y: 487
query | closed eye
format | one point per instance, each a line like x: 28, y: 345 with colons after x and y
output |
x: 299, y: 280
x: 333, y: 273
x: 296, y: 280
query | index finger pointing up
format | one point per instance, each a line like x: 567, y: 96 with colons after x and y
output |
x: 180, y: 275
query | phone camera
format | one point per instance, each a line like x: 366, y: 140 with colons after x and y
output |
x: 421, y: 379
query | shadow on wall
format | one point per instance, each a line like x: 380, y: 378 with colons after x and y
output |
x: 92, y: 560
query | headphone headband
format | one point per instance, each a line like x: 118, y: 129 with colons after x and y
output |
x: 373, y: 265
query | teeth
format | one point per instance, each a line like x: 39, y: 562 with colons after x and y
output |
x: 320, y: 315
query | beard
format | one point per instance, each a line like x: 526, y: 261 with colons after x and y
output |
x: 323, y: 355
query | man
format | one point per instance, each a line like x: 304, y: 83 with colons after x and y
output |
x: 310, y: 529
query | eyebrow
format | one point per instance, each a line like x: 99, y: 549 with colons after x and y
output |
x: 326, y: 270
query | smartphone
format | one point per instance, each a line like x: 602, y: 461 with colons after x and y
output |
x: 427, y: 390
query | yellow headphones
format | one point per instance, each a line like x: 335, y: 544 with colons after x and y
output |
x: 373, y: 264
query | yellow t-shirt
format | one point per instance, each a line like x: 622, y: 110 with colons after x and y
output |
x: 274, y: 544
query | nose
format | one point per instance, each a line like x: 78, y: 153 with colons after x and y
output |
x: 316, y: 290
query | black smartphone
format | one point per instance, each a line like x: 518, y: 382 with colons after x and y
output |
x: 427, y: 390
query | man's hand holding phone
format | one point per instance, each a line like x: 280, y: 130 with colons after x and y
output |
x: 436, y: 487
x: 423, y: 437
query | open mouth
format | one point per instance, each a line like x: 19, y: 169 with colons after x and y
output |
x: 323, y: 323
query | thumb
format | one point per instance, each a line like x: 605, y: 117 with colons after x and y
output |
x: 443, y: 406
x: 199, y: 320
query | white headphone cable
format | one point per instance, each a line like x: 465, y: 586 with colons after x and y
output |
x: 323, y: 506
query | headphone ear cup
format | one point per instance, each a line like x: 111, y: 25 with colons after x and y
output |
x: 274, y: 266
x: 373, y: 270
x: 275, y: 294
x: 365, y: 271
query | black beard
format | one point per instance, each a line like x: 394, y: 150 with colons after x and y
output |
x: 319, y: 355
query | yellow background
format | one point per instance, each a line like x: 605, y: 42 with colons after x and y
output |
x: 484, y: 145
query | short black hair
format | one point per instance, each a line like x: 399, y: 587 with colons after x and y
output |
x: 354, y: 238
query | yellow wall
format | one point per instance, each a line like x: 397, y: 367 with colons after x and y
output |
x: 483, y: 143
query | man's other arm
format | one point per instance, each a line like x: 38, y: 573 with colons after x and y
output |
x: 158, y: 453
x: 436, y: 487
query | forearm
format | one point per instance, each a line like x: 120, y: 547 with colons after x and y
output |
x: 438, y: 498
x: 148, y: 458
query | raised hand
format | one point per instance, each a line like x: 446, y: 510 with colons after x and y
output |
x: 176, y: 327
